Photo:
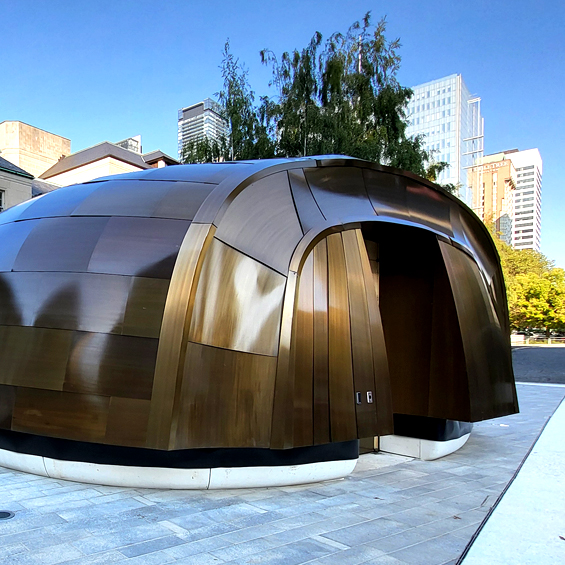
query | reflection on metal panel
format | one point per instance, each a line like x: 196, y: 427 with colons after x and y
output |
x: 123, y: 198
x: 362, y: 350
x: 15, y: 233
x: 339, y: 191
x: 238, y: 303
x: 60, y: 414
x: 428, y: 207
x: 51, y: 247
x: 144, y: 247
x: 183, y: 200
x: 34, y: 357
x: 492, y: 391
x: 303, y: 345
x: 60, y: 202
x: 163, y: 417
x: 226, y: 398
x: 145, y: 307
x: 70, y: 301
x: 111, y: 365
x: 309, y: 213
x: 341, y: 393
x: 387, y: 193
x: 262, y: 223
x: 321, y: 363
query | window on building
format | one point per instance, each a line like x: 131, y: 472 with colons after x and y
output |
x: 1, y: 200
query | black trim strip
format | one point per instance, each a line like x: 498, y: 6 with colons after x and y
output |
x: 204, y: 458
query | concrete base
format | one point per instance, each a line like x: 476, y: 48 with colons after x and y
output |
x: 169, y: 478
x: 424, y: 449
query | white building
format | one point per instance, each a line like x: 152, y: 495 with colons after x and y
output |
x: 449, y: 117
x: 199, y: 121
x: 526, y: 225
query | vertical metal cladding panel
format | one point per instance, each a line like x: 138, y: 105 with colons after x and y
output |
x: 449, y: 387
x: 303, y: 345
x: 226, y: 398
x: 163, y: 417
x: 485, y: 342
x: 383, y: 399
x: 362, y: 349
x: 343, y: 424
x: 321, y: 362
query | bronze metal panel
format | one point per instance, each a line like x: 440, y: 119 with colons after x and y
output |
x: 383, y: 395
x: 60, y: 244
x: 486, y: 345
x: 449, y: 389
x: 144, y: 247
x: 183, y: 200
x: 387, y: 193
x: 12, y: 236
x: 123, y: 198
x: 127, y: 422
x: 7, y: 400
x: 111, y: 365
x: 428, y: 207
x: 226, y: 398
x: 283, y: 402
x: 238, y: 303
x: 309, y: 214
x: 339, y: 191
x: 60, y: 202
x: 262, y: 222
x: 34, y: 357
x: 71, y: 301
x: 145, y: 307
x: 361, y: 346
x: 321, y: 366
x: 60, y: 414
x: 163, y: 417
x: 341, y: 393
x: 303, y: 344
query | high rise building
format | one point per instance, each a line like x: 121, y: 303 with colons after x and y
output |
x: 449, y: 117
x: 506, y: 190
x: 526, y: 230
x: 199, y: 121
x: 493, y: 181
x: 31, y: 148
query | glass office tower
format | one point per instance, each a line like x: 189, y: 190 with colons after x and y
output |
x: 203, y: 119
x: 449, y: 117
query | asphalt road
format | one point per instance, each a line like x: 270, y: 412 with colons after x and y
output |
x: 539, y: 364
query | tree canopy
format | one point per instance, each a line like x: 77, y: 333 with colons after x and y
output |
x: 535, y: 289
x: 339, y: 96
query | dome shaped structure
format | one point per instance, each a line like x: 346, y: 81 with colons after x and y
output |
x: 206, y: 316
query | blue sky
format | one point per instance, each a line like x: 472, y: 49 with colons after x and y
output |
x: 105, y: 70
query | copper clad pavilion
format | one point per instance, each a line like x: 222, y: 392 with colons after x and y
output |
x: 239, y: 315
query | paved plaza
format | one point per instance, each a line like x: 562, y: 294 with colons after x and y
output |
x: 391, y: 510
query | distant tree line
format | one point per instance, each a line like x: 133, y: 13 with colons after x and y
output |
x: 535, y: 289
x: 338, y: 96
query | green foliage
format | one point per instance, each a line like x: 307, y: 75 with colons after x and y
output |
x: 535, y: 289
x: 338, y: 96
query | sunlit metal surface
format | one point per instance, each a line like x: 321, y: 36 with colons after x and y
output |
x: 281, y: 304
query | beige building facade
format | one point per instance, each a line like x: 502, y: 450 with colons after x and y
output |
x: 493, y: 181
x: 32, y: 149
